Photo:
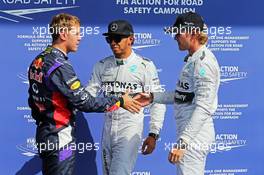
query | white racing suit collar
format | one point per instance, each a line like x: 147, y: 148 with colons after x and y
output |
x: 121, y: 61
x: 197, y: 54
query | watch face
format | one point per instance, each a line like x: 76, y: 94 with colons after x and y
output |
x: 155, y: 136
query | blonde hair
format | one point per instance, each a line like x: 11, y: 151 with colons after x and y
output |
x: 62, y: 22
x: 202, y: 38
x: 200, y: 34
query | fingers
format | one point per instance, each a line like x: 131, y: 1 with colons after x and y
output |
x: 174, y: 157
x: 130, y: 110
x: 136, y: 106
x: 143, y: 148
x: 138, y: 96
x: 149, y: 150
x: 142, y: 100
x: 136, y: 103
x: 133, y: 108
x: 148, y: 146
x: 170, y: 157
x: 131, y: 105
x: 146, y: 95
x: 142, y: 95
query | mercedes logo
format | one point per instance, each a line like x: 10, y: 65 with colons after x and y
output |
x: 114, y: 27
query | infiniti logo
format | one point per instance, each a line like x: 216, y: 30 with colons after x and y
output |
x: 35, y: 88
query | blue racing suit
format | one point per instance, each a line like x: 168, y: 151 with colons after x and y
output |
x: 55, y: 95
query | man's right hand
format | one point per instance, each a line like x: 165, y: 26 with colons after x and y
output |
x: 144, y: 99
x: 130, y: 104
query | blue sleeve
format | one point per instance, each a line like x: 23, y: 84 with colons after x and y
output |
x: 66, y: 81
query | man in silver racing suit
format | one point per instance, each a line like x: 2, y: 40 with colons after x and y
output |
x: 114, y: 75
x: 195, y: 97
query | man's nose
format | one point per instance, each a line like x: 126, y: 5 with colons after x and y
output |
x: 79, y: 37
x: 112, y: 42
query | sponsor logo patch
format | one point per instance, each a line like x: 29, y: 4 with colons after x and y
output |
x: 133, y: 68
x: 75, y: 85
x: 38, y: 63
x: 202, y: 72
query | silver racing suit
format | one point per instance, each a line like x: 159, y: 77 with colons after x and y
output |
x: 122, y: 132
x: 195, y: 100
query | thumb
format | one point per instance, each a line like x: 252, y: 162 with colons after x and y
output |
x: 137, y: 97
x: 128, y: 91
x: 144, y: 146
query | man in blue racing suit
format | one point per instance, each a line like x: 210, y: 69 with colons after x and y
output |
x: 56, y: 94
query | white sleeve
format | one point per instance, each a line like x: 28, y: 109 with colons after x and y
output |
x: 163, y: 97
x: 157, y: 111
x: 94, y: 85
x: 205, y: 89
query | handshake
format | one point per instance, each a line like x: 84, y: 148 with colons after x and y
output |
x: 135, y: 104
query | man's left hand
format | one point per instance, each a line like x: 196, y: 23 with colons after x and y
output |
x: 148, y: 145
x: 176, y: 155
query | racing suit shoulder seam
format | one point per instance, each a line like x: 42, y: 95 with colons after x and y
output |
x: 106, y: 59
x: 100, y: 65
x: 49, y: 62
x: 146, y: 62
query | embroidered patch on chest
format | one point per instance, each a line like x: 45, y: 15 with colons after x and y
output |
x: 133, y: 68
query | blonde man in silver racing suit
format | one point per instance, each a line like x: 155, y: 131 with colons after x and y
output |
x: 195, y: 98
x: 114, y: 75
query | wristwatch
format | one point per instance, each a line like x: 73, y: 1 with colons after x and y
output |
x: 155, y: 136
